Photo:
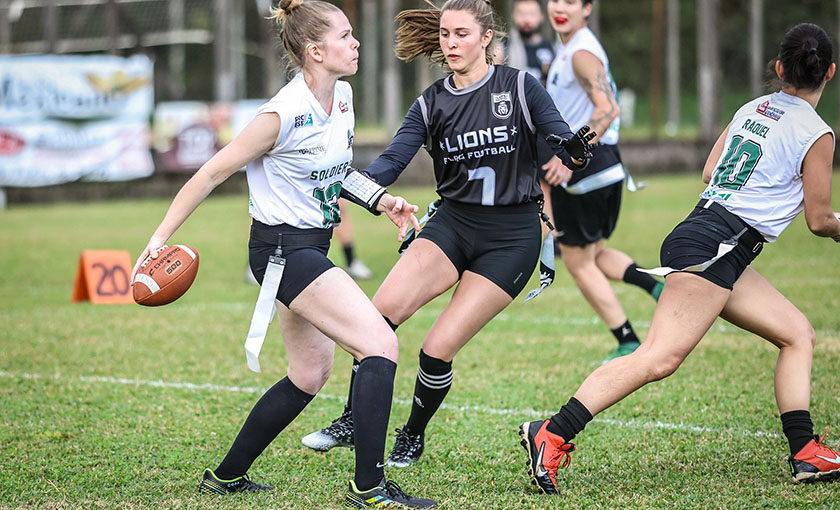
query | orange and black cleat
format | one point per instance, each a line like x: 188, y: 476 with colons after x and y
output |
x: 815, y: 462
x: 546, y: 453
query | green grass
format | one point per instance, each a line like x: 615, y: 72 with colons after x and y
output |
x: 82, y: 426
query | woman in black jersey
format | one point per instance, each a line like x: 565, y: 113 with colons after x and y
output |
x: 480, y: 126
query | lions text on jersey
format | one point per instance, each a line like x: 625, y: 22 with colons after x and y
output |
x: 298, y: 181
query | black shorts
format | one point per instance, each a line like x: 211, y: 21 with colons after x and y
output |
x: 303, y: 263
x: 696, y: 239
x: 501, y: 243
x: 585, y: 219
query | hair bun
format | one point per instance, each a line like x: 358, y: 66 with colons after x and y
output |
x: 287, y: 6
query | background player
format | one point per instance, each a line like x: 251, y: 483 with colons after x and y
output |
x: 773, y: 160
x: 525, y: 47
x: 480, y: 126
x: 586, y: 206
x: 317, y: 303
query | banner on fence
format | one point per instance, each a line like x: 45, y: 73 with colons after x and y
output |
x: 34, y: 87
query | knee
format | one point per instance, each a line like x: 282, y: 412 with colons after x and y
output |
x: 661, y: 367
x: 800, y: 334
x: 383, y: 342
x: 311, y: 377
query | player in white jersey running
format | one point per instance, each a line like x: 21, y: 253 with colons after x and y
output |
x: 586, y: 206
x: 298, y: 149
x: 771, y: 162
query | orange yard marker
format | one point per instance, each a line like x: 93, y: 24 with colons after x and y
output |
x: 103, y: 277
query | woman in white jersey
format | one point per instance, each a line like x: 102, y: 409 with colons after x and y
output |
x: 298, y: 149
x: 585, y: 205
x: 771, y: 162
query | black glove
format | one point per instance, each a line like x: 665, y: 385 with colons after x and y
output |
x: 578, y: 145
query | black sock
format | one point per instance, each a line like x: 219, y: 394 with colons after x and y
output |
x: 433, y: 382
x: 372, y: 394
x: 625, y: 333
x: 349, y: 405
x: 639, y: 279
x: 798, y: 429
x: 569, y: 420
x: 271, y: 414
x: 348, y: 253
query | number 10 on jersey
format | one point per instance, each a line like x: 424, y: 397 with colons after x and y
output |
x: 329, y: 203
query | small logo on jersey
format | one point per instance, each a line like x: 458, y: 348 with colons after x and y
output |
x: 502, y: 105
x: 349, y: 138
x: 343, y: 107
x: 771, y: 112
x: 303, y: 120
x: 312, y: 150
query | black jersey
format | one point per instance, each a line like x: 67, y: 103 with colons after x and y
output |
x: 482, y: 138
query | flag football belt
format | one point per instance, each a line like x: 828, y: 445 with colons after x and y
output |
x: 746, y: 235
x: 602, y: 179
x: 265, y: 307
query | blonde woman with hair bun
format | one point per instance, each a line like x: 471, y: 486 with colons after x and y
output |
x: 298, y: 150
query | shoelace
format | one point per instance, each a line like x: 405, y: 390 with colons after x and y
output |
x: 343, y: 423
x: 395, y: 491
x: 565, y: 450
x: 406, y: 444
x: 248, y: 485
x: 819, y: 440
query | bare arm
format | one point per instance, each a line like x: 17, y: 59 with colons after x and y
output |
x: 592, y: 76
x: 714, y: 156
x: 257, y: 137
x: 816, y: 184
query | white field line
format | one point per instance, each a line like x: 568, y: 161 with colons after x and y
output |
x: 529, y: 413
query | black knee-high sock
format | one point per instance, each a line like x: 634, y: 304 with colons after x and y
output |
x: 570, y: 420
x: 798, y: 429
x: 349, y: 405
x: 373, y: 391
x: 639, y: 279
x: 271, y: 414
x: 625, y: 333
x: 348, y: 253
x: 433, y: 382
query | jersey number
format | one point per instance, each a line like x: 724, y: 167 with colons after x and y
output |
x: 488, y: 186
x: 329, y: 203
x: 739, y: 163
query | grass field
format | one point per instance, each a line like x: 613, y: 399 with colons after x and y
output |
x: 124, y: 406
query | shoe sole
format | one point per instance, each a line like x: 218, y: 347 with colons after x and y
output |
x: 823, y: 476
x: 322, y: 446
x: 524, y: 442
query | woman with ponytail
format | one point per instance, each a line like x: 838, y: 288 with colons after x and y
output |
x: 480, y: 125
x: 298, y: 151
x: 772, y: 162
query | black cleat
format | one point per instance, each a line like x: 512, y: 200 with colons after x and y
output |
x: 339, y: 433
x: 387, y: 495
x: 212, y: 485
x: 407, y: 449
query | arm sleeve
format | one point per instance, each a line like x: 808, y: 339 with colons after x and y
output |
x: 546, y: 119
x: 409, y: 138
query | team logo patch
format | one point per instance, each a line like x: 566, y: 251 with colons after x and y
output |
x: 343, y: 107
x: 303, y: 120
x: 349, y: 138
x: 502, y: 105
x: 771, y: 112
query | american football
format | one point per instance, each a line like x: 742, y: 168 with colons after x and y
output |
x: 164, y: 279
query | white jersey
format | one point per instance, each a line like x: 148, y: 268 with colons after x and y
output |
x: 297, y: 182
x: 759, y: 174
x: 569, y: 96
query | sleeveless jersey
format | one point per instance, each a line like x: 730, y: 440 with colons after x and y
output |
x: 759, y: 174
x: 481, y: 139
x: 297, y: 182
x: 568, y: 94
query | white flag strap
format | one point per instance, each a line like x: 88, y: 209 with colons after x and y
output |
x: 263, y: 311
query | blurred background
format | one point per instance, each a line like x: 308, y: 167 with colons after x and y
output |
x: 102, y: 98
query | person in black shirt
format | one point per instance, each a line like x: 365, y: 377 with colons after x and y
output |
x: 525, y: 47
x: 480, y: 126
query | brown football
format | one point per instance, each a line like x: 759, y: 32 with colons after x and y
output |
x: 162, y: 280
